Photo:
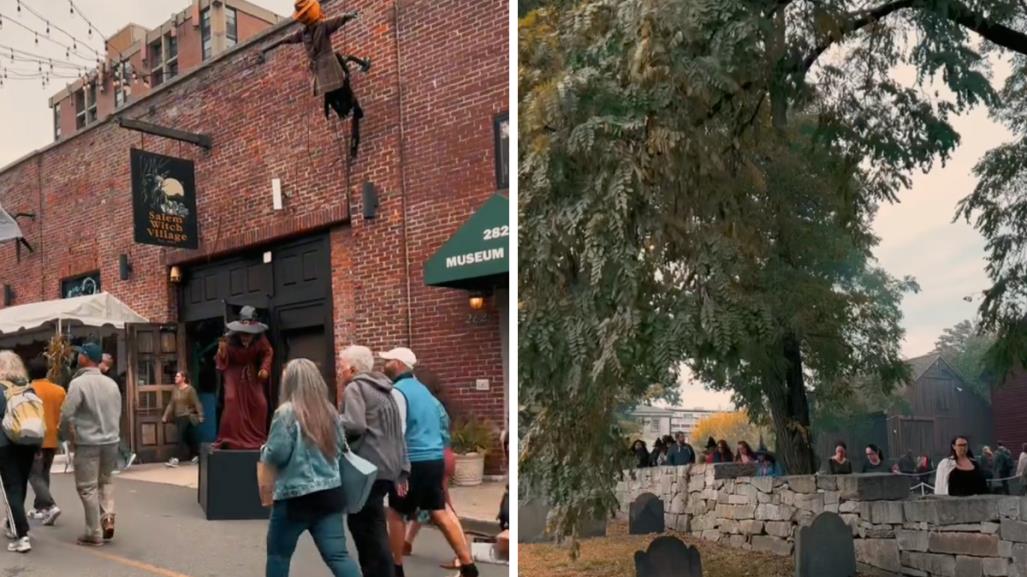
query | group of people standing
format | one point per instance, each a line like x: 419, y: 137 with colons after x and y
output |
x: 676, y: 451
x: 958, y: 474
x: 88, y: 415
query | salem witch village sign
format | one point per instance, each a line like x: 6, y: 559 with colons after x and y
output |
x: 164, y: 200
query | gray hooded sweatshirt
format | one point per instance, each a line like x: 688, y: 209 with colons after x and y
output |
x: 374, y: 425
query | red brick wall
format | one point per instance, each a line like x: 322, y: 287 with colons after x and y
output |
x: 190, y: 45
x: 248, y: 26
x: 444, y: 83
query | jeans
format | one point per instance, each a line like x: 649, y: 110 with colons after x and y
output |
x: 93, y: 479
x: 40, y: 479
x: 371, y: 535
x: 187, y: 433
x: 329, y: 536
x: 15, y: 467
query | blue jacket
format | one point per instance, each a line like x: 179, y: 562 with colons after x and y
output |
x: 680, y: 455
x: 427, y: 433
x: 302, y: 467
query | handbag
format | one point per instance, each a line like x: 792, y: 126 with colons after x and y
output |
x: 358, y: 475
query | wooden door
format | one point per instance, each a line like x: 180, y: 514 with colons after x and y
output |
x: 155, y: 354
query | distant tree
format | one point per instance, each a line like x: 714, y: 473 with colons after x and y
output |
x: 732, y: 427
x: 967, y: 351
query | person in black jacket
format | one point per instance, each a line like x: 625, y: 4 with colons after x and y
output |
x: 641, y: 454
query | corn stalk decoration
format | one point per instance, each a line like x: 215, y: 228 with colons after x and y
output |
x: 58, y: 353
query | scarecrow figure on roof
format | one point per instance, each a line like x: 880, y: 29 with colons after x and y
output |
x: 330, y: 70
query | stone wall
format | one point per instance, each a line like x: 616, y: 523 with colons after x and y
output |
x: 894, y: 532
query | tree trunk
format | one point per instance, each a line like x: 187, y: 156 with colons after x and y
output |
x: 776, y: 68
x: 789, y: 410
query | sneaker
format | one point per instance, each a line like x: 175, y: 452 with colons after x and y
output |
x: 194, y: 460
x: 36, y: 514
x: 107, y: 523
x: 173, y: 462
x: 20, y: 545
x: 89, y: 541
x: 50, y: 516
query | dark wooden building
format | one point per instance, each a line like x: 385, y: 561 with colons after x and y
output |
x: 922, y: 417
x: 938, y: 406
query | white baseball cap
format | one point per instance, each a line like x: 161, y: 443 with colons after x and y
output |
x: 401, y: 354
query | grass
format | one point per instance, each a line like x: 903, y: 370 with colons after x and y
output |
x: 614, y: 556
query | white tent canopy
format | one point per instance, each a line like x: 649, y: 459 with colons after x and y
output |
x: 97, y: 310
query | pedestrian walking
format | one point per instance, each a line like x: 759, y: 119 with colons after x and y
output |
x: 640, y: 453
x: 44, y: 508
x: 303, y: 450
x: 374, y: 428
x: 91, y: 417
x: 722, y: 454
x: 125, y: 455
x: 434, y: 384
x: 16, y: 454
x: 1021, y: 468
x: 426, y: 438
x: 187, y: 410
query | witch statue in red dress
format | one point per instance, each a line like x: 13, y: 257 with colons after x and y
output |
x: 244, y: 360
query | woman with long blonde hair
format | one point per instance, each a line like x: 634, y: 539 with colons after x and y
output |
x: 15, y: 460
x: 303, y: 448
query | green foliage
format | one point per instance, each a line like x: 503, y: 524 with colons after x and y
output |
x: 697, y: 184
x: 472, y: 435
x: 967, y: 350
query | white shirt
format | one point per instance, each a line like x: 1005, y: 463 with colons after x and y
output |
x: 1021, y: 466
x: 941, y: 480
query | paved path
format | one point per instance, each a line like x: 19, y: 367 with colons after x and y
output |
x: 161, y: 532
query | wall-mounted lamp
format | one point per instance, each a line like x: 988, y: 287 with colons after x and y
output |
x: 124, y: 267
x: 8, y: 295
x: 175, y: 275
x: 370, y: 201
x: 476, y: 302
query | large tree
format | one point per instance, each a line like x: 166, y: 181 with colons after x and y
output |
x: 698, y: 182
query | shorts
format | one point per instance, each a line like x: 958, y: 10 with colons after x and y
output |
x: 424, y: 491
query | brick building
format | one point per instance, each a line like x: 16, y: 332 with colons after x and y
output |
x: 344, y: 258
x: 139, y: 61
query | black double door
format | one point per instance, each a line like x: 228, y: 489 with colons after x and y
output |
x: 290, y: 286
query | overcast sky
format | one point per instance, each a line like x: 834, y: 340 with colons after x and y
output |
x: 26, y: 116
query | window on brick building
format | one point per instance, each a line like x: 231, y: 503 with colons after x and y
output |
x: 91, y: 102
x: 80, y: 108
x: 57, y: 121
x: 205, y: 38
x: 502, y: 137
x: 83, y: 285
x: 231, y: 27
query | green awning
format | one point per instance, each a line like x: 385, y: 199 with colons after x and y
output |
x: 477, y: 253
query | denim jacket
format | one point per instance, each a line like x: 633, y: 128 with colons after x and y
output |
x: 302, y: 468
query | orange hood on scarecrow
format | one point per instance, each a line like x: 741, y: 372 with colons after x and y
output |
x: 308, y: 12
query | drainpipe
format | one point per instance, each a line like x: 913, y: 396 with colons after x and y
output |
x: 402, y: 172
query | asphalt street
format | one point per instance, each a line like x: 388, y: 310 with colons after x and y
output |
x: 161, y: 532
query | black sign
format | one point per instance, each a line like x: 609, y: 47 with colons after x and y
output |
x: 164, y: 200
x: 80, y: 286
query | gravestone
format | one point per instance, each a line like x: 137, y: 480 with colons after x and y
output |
x: 646, y: 515
x: 668, y: 557
x: 825, y: 549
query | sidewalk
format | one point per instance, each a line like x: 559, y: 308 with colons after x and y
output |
x: 477, y: 506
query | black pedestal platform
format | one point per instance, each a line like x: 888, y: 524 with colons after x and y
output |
x: 228, y: 485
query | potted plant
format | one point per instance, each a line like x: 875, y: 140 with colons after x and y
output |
x: 470, y: 440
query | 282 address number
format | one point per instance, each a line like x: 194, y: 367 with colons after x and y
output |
x: 497, y: 232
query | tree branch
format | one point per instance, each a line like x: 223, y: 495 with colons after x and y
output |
x: 854, y: 23
x: 953, y: 10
